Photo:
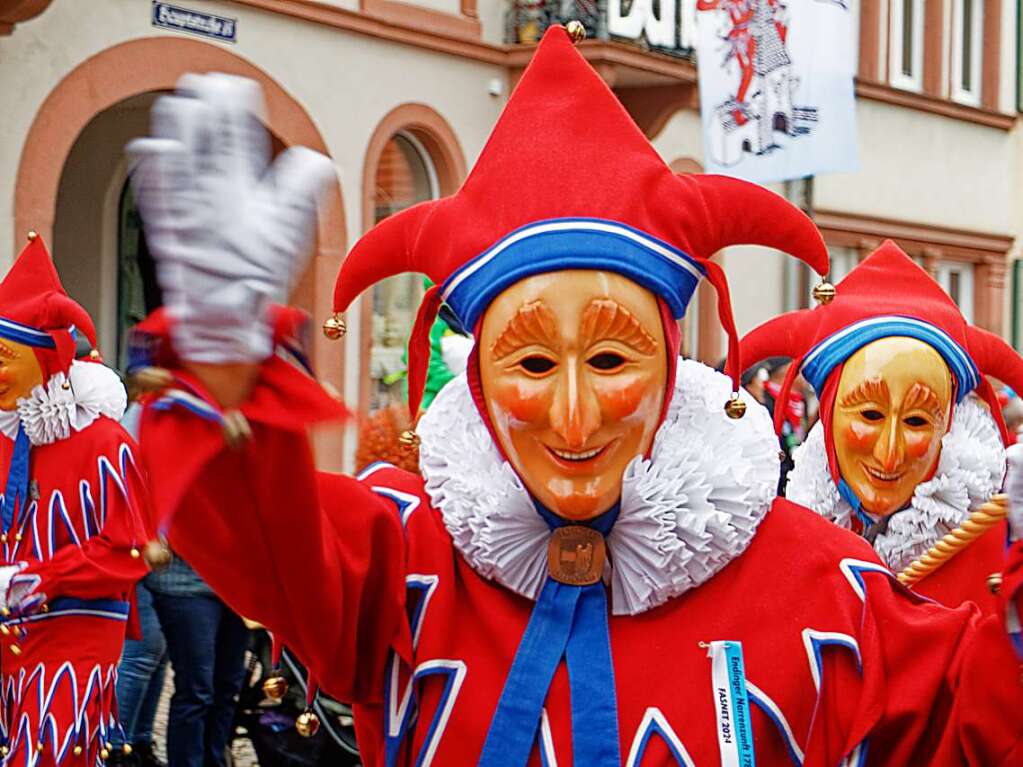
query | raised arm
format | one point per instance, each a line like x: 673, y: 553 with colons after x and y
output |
x: 319, y: 561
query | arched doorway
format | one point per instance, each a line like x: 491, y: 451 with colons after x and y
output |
x: 74, y: 152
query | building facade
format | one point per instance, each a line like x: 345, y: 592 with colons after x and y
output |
x: 402, y: 94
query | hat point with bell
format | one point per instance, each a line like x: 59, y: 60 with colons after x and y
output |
x: 627, y: 213
x: 887, y: 294
x: 35, y: 310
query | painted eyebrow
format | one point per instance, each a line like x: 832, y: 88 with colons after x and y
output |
x: 533, y: 323
x: 7, y: 352
x: 921, y: 396
x: 605, y: 318
x: 871, y: 390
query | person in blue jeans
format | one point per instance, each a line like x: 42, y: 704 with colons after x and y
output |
x: 140, y: 677
x: 206, y: 644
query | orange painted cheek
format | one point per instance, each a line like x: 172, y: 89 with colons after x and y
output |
x: 526, y: 402
x: 620, y: 399
x: 860, y: 436
x: 918, y: 445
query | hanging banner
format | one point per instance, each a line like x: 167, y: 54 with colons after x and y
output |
x: 776, y: 87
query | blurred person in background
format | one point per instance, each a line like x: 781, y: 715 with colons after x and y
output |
x: 765, y: 383
x: 1012, y: 412
x: 380, y: 433
x: 141, y: 672
x: 206, y: 644
x: 140, y: 678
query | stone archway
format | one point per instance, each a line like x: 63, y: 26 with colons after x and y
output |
x: 154, y: 64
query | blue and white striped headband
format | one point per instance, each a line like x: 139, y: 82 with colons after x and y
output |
x: 28, y: 335
x: 838, y: 347
x: 573, y: 243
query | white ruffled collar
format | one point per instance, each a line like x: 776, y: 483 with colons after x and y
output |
x: 67, y: 402
x: 970, y: 469
x: 686, y: 512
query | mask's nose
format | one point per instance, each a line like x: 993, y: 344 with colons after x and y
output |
x: 575, y: 411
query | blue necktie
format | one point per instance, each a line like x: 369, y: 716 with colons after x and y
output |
x: 570, y: 622
x: 17, y: 478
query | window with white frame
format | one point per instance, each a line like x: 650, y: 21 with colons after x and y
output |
x: 967, y: 39
x: 405, y: 176
x: 956, y: 277
x: 906, y: 44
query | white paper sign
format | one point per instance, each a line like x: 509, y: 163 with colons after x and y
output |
x: 776, y: 87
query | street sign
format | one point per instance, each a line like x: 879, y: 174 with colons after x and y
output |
x: 184, y: 20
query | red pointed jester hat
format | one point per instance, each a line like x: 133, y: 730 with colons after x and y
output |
x: 35, y: 310
x: 568, y: 181
x: 886, y: 295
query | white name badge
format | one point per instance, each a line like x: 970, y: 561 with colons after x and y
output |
x: 731, y: 704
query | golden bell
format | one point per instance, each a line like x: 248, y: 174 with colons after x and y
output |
x: 994, y: 582
x: 735, y: 408
x: 157, y: 554
x: 94, y: 354
x: 77, y: 750
x: 104, y: 754
x: 275, y: 687
x: 824, y: 292
x: 236, y: 428
x: 409, y: 439
x: 307, y: 724
x: 135, y: 553
x: 126, y: 749
x: 4, y: 750
x: 148, y: 379
x: 334, y: 327
x: 32, y: 234
x: 40, y: 746
x: 576, y: 31
x: 15, y: 650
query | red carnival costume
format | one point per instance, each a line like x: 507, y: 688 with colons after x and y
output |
x: 888, y: 295
x: 72, y: 517
x: 729, y: 628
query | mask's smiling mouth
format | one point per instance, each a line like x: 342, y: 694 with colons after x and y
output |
x: 883, y: 476
x: 576, y: 458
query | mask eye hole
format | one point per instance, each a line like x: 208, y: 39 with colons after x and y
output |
x: 537, y: 365
x: 915, y: 420
x: 872, y: 415
x: 606, y: 361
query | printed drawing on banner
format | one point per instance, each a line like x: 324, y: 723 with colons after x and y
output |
x: 776, y: 87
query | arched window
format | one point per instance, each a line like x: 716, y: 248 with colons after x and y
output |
x: 405, y: 176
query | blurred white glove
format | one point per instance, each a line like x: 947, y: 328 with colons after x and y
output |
x: 1014, y: 488
x: 230, y: 232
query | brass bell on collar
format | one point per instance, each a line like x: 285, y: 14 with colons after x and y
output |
x: 307, y: 724
x: 576, y: 31
x: 157, y: 554
x: 78, y: 750
x: 148, y: 379
x: 824, y: 292
x: 409, y: 439
x: 994, y: 583
x: 275, y: 687
x: 334, y: 327
x: 735, y: 408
